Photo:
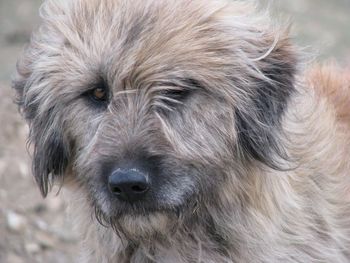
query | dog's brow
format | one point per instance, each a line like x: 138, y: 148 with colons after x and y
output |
x: 181, y: 83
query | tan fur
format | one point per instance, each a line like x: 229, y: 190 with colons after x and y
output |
x: 255, y: 158
x: 334, y: 83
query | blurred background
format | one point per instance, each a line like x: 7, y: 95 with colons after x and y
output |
x: 36, y: 230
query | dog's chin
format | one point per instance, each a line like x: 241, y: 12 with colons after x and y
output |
x: 142, y: 219
x: 146, y: 225
x: 139, y: 227
x: 135, y: 223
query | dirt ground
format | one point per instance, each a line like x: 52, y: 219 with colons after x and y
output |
x: 34, y: 230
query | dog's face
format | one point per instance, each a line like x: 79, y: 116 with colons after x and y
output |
x: 153, y: 107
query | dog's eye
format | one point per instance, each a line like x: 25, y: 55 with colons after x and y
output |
x: 99, y: 94
x: 173, y: 97
x: 176, y: 94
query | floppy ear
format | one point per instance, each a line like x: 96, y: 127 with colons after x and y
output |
x: 51, y: 150
x: 271, y: 77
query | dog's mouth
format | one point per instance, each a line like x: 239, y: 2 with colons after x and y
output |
x: 157, y: 210
x: 116, y: 208
x: 142, y: 217
x: 133, y: 222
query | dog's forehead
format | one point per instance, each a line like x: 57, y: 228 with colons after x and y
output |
x: 146, y: 40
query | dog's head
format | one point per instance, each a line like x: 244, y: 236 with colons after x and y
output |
x: 152, y: 107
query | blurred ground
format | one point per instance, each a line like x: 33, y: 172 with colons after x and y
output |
x: 34, y: 230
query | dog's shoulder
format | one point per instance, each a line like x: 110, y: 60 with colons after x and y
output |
x: 332, y: 82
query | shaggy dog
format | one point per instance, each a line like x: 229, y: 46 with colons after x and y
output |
x: 190, y: 132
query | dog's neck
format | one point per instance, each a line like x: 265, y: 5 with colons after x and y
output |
x: 200, y: 241
x: 195, y: 244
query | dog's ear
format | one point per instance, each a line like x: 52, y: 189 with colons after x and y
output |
x: 50, y: 148
x: 271, y: 82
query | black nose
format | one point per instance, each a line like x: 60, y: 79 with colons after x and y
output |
x: 128, y: 185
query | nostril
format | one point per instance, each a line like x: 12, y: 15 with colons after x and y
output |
x: 139, y: 188
x: 115, y: 190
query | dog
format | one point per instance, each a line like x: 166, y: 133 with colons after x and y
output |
x: 187, y: 131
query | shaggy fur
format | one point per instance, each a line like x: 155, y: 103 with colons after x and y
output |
x: 248, y: 156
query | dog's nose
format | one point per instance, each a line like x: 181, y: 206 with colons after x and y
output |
x: 128, y: 185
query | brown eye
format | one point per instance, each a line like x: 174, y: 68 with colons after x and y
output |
x: 99, y: 94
